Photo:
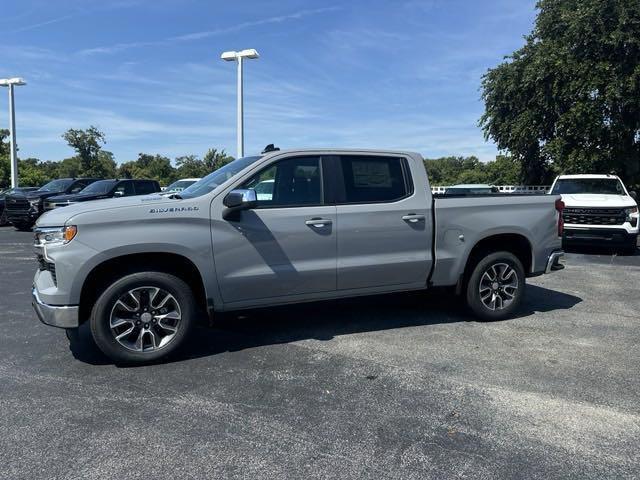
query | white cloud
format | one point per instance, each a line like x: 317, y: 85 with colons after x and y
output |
x: 204, y: 34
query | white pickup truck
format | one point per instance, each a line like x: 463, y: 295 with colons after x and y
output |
x: 598, y: 210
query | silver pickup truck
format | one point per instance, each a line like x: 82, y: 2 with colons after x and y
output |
x: 284, y: 227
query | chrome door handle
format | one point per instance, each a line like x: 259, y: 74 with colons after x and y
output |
x: 318, y: 222
x: 413, y: 217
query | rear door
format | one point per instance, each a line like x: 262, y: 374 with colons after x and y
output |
x: 384, y: 225
x: 284, y: 247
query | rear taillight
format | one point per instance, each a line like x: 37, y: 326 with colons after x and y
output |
x: 559, y: 209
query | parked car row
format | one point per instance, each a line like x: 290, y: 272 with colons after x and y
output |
x: 23, y: 206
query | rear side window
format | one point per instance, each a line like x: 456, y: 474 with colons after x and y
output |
x: 287, y: 183
x: 375, y: 179
x: 144, y: 188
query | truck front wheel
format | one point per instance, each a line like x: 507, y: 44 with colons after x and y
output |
x: 495, y: 287
x: 143, y: 317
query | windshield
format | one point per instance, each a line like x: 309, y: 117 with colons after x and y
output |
x: 56, y: 185
x: 179, y: 185
x: 602, y: 186
x: 99, y: 187
x: 217, y: 177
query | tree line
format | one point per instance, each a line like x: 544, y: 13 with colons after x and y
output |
x: 91, y: 160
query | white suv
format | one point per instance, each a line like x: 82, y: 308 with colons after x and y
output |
x: 598, y: 210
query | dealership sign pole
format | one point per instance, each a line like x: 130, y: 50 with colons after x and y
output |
x: 11, y: 82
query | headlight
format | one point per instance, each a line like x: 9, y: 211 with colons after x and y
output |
x: 631, y: 210
x: 34, y: 203
x: 55, y: 235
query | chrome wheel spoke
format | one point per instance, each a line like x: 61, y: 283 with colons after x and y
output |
x: 125, y: 334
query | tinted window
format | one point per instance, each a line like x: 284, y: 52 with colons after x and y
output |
x: 144, y: 188
x: 79, y: 185
x: 124, y: 189
x: 374, y: 179
x: 291, y: 182
x: 99, y: 187
x: 606, y: 186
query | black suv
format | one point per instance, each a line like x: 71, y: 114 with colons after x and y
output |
x: 23, y: 209
x: 11, y: 191
x: 104, y: 189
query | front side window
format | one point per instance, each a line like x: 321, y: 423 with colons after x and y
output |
x: 601, y: 186
x: 124, y: 189
x: 374, y: 179
x: 100, y: 187
x: 291, y: 182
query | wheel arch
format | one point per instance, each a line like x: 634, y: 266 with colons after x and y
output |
x: 102, y: 274
x: 515, y: 243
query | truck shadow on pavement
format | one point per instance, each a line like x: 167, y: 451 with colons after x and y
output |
x: 326, y: 320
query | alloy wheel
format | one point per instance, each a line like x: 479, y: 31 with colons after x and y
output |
x: 145, y: 319
x: 498, y: 286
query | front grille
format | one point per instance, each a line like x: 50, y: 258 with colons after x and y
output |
x: 43, y: 265
x: 13, y: 204
x: 594, y: 216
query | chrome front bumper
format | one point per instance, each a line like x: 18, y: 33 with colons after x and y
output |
x: 57, y: 316
x: 553, y: 263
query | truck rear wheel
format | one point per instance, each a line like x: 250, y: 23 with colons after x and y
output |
x: 143, y: 317
x: 495, y: 287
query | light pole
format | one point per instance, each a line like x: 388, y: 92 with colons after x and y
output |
x: 11, y: 82
x: 237, y: 57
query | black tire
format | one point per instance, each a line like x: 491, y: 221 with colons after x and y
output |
x: 503, y: 288
x: 3, y: 218
x: 100, y: 321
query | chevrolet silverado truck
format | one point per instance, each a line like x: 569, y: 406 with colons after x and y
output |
x: 598, y: 211
x: 24, y: 208
x: 334, y: 223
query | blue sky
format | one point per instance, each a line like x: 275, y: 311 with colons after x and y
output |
x: 376, y: 74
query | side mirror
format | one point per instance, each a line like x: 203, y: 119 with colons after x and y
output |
x: 118, y: 193
x: 238, y: 200
x: 633, y: 195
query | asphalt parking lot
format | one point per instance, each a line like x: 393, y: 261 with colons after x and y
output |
x: 401, y: 386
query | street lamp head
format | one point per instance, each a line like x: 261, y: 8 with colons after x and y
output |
x: 228, y: 56
x: 232, y: 55
x: 5, y: 82
x: 249, y: 53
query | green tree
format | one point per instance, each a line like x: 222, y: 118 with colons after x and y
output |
x: 88, y: 145
x: 190, y: 166
x: 504, y: 170
x: 569, y: 99
x: 156, y: 167
x: 214, y: 159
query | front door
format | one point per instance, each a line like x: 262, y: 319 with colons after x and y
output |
x: 284, y: 247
